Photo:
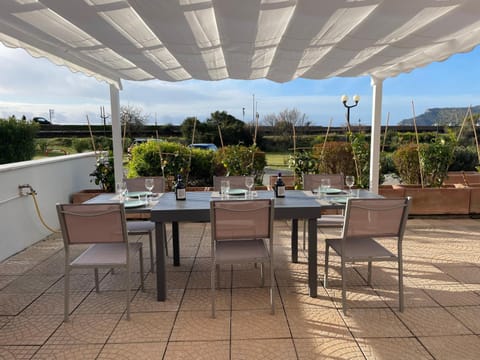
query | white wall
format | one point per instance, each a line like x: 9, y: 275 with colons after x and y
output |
x: 54, y: 180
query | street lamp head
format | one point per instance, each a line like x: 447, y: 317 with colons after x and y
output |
x: 356, y: 98
x: 344, y: 98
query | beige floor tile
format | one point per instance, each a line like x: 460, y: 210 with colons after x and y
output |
x: 201, y: 280
x: 104, y: 302
x: 138, y: 351
x: 432, y: 322
x: 143, y: 327
x: 77, y: 283
x: 254, y: 298
x: 357, y: 297
x: 200, y: 326
x: 453, y: 295
x: 175, y: 280
x: 15, y: 266
x: 85, y: 329
x: 147, y: 301
x: 269, y: 349
x: 13, y: 304
x: 466, y: 347
x: 298, y: 297
x: 186, y: 263
x: 118, y: 281
x: 259, y: 324
x: 73, y: 352
x: 291, y: 277
x: 412, y: 297
x: 29, y: 329
x: 249, y: 276
x: 315, y: 322
x: 328, y: 348
x: 202, y: 264
x: 393, y: 349
x: 375, y: 323
x: 468, y: 316
x: 17, y: 352
x: 198, y: 350
x: 7, y: 279
x: 201, y: 299
x: 53, y: 303
x: 30, y: 284
x: 465, y: 274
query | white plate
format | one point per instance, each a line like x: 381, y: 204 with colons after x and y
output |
x: 236, y: 192
x: 133, y: 204
x: 338, y: 199
x: 331, y: 191
x: 137, y: 194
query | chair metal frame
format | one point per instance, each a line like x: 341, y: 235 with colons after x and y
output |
x: 145, y: 227
x: 239, y: 237
x: 103, y: 227
x: 367, y: 221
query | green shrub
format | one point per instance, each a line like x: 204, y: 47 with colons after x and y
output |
x: 81, y: 145
x: 407, y: 163
x: 17, y: 140
x: 334, y: 158
x: 436, y: 156
x: 302, y: 162
x: 104, y: 173
x: 465, y: 158
x: 201, y: 167
x: 241, y: 160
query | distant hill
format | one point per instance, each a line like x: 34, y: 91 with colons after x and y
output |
x: 441, y: 116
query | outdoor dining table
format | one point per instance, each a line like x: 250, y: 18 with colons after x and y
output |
x: 297, y: 204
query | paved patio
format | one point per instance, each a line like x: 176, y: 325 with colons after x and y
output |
x: 441, y: 320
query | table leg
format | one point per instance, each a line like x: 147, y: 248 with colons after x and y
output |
x: 295, y: 240
x: 312, y: 257
x: 176, y: 244
x: 161, y: 261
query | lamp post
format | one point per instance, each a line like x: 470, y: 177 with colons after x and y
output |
x: 356, y: 98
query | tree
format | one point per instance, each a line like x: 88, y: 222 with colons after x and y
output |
x: 187, y: 130
x: 132, y: 118
x: 233, y: 131
x: 283, y: 122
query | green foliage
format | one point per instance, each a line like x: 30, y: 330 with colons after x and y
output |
x: 435, y: 158
x: 361, y: 151
x: 465, y: 158
x: 407, y: 163
x: 241, y: 160
x: 302, y: 162
x: 17, y: 140
x: 104, y: 173
x: 82, y: 144
x: 335, y: 158
x: 202, y: 167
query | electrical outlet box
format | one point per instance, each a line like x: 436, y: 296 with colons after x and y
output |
x: 24, y: 190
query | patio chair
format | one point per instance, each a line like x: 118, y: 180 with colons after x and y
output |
x: 145, y: 227
x: 289, y: 181
x: 103, y: 227
x: 312, y: 182
x: 236, y: 182
x: 242, y: 232
x: 367, y: 221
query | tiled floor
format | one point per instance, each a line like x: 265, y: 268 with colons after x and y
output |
x: 441, y: 319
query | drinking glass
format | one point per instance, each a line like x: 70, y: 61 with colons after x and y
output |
x: 249, y: 185
x: 121, y: 190
x: 324, y: 186
x: 149, y: 185
x: 224, y: 188
x: 350, y: 181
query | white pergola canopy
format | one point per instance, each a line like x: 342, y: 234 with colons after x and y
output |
x: 281, y: 40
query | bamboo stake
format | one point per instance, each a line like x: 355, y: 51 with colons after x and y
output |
x: 124, y: 134
x: 326, y: 136
x: 91, y: 135
x: 220, y: 134
x: 191, y: 149
x: 385, y: 134
x: 463, y: 123
x: 294, y: 150
x: 418, y: 144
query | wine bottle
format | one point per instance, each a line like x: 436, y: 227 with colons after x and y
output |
x: 279, y: 187
x: 180, y: 192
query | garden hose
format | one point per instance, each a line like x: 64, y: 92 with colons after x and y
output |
x: 34, y: 197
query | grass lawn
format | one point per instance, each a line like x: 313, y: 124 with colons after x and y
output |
x: 277, y: 160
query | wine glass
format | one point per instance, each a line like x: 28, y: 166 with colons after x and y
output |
x: 249, y: 185
x: 350, y: 181
x: 149, y: 185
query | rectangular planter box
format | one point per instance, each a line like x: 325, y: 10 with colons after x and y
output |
x: 439, y: 201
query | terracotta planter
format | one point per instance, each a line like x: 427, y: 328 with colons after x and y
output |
x: 84, y: 195
x: 439, y: 201
x: 390, y: 191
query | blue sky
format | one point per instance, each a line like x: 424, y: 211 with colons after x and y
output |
x: 33, y: 86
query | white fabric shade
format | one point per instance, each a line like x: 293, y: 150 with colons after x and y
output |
x: 280, y: 40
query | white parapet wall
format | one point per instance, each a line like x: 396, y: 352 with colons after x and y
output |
x: 54, y: 180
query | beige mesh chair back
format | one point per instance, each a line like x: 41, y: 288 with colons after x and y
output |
x: 367, y: 223
x: 289, y: 181
x: 102, y: 226
x: 138, y: 184
x: 236, y: 182
x: 242, y: 232
x: 145, y: 227
x: 312, y: 181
